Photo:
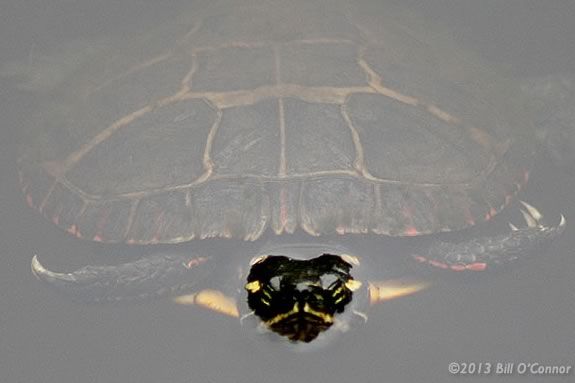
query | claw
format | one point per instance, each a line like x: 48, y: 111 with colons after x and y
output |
x: 44, y: 274
x: 531, y: 215
x: 531, y: 222
x: 562, y: 222
x: 532, y: 211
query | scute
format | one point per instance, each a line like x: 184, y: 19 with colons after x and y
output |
x: 248, y: 140
x: 317, y: 138
x: 233, y: 68
x: 408, y: 144
x: 270, y: 21
x: 320, y: 117
x: 162, y: 148
x: 330, y: 64
x: 231, y: 209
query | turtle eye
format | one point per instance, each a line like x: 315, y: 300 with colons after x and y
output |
x: 275, y: 283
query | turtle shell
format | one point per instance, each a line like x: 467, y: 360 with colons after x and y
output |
x: 238, y: 119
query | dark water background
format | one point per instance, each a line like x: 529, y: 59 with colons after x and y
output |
x: 525, y: 315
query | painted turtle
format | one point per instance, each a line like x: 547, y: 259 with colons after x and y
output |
x: 239, y: 122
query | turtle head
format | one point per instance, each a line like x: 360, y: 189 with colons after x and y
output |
x: 299, y: 299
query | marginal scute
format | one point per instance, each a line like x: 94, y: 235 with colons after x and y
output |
x: 418, y: 211
x: 231, y: 209
x: 36, y: 184
x: 508, y: 177
x: 63, y: 207
x: 336, y: 205
x: 450, y: 208
x: 397, y: 212
x: 166, y: 217
x: 284, y: 205
x: 105, y: 221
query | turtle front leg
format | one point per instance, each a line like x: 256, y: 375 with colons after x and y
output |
x: 487, y: 252
x: 156, y: 275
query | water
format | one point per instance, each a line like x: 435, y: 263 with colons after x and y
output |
x: 525, y: 315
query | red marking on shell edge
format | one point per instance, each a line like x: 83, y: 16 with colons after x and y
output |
x: 469, y: 217
x: 407, y: 212
x: 438, y: 264
x: 131, y: 241
x: 73, y: 230
x: 411, y: 231
x: 102, y: 221
x: 283, y: 208
x: 419, y: 258
x: 478, y: 266
x: 490, y: 214
x: 458, y: 267
x: 160, y: 223
x: 98, y: 238
x: 29, y: 200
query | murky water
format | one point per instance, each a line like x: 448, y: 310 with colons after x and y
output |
x: 525, y: 315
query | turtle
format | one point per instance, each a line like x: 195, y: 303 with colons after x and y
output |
x: 334, y: 122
